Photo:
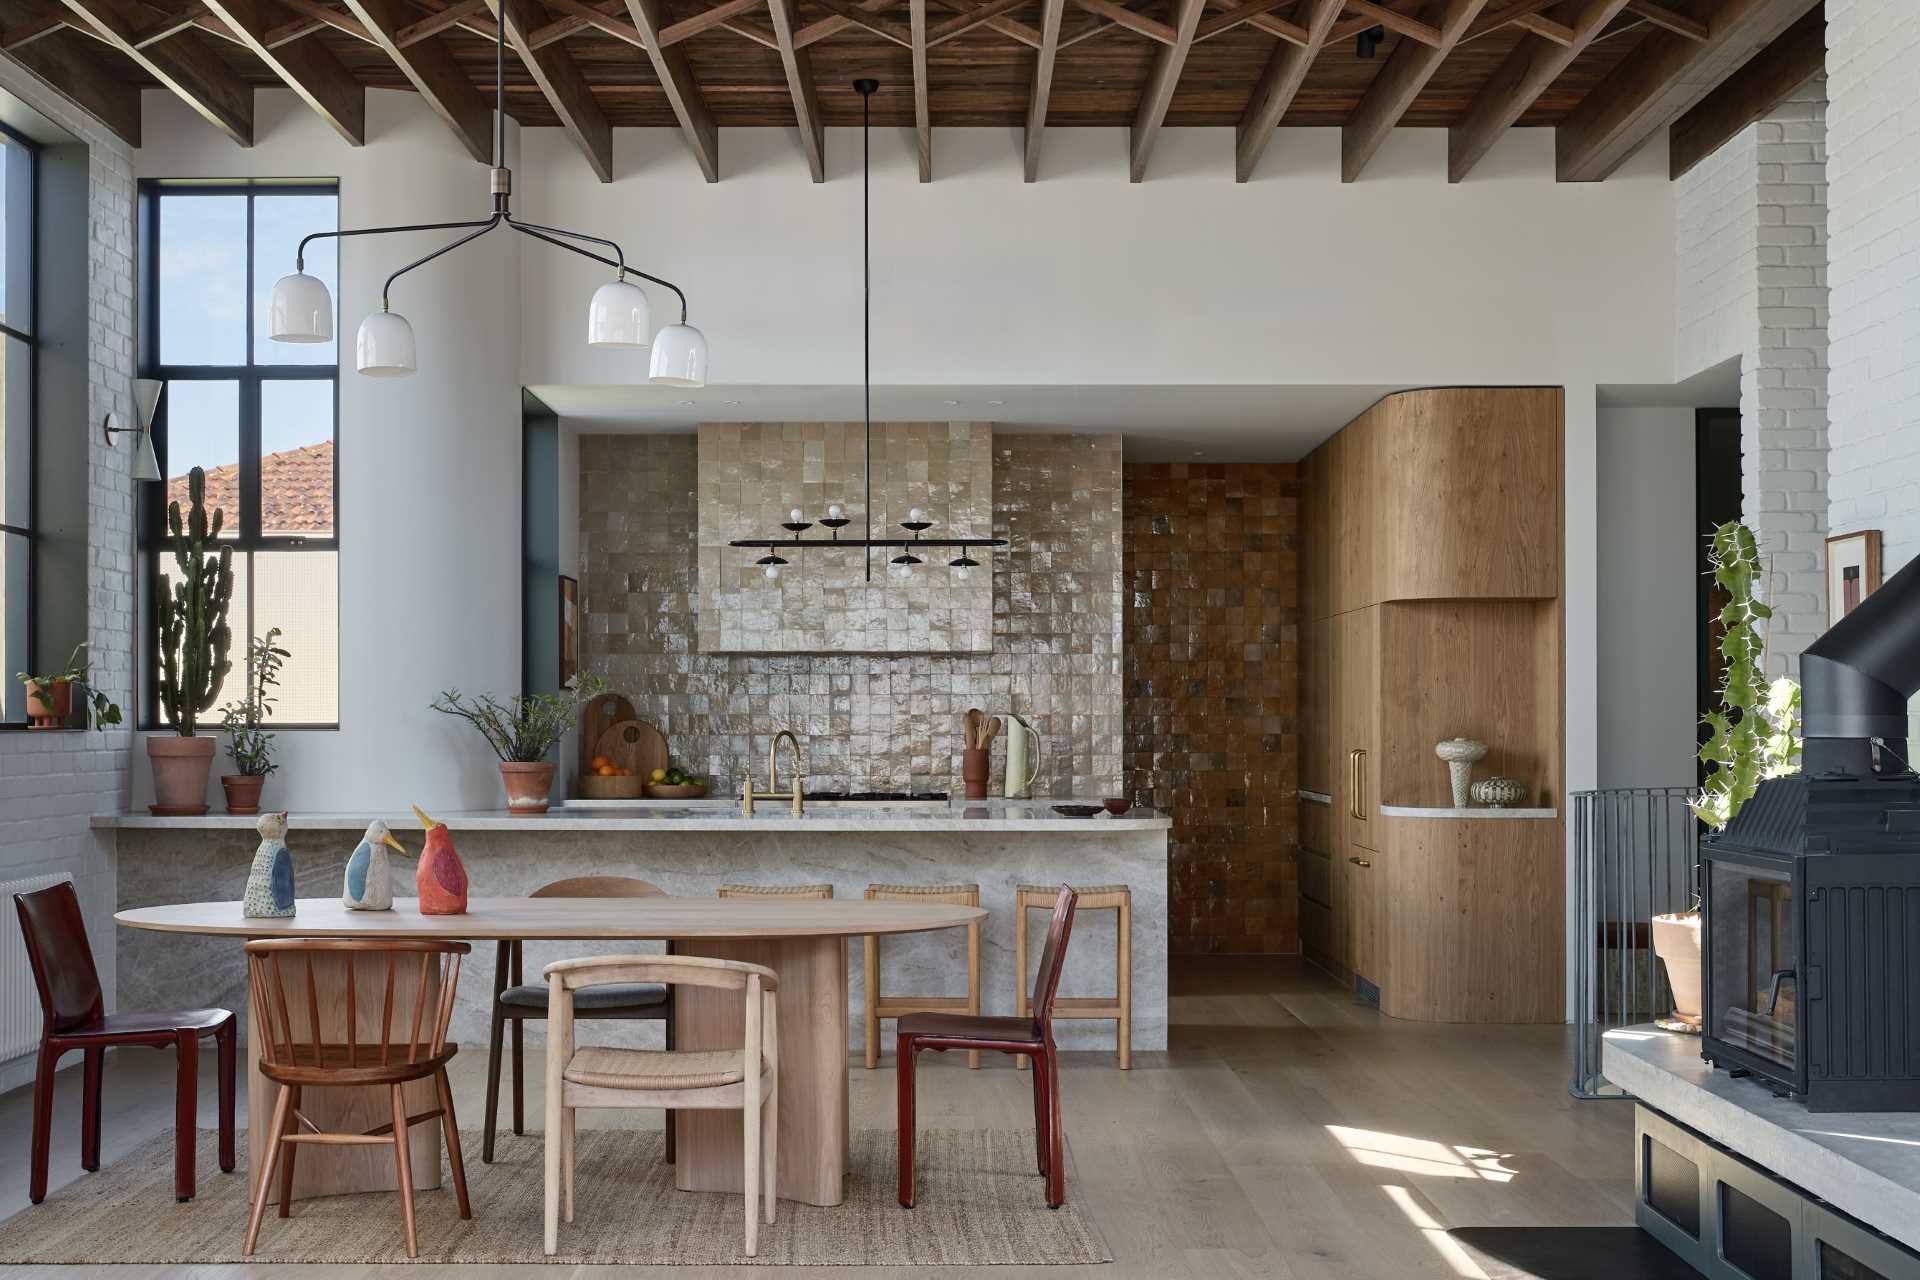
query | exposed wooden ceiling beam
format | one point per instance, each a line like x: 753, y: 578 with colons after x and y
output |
x: 953, y: 28
x: 433, y: 73
x: 1660, y: 80
x: 675, y: 74
x: 20, y: 34
x: 560, y: 81
x: 1161, y: 82
x: 1052, y: 12
x: 340, y: 22
x: 1139, y: 23
x: 588, y: 16
x: 1488, y: 23
x: 922, y: 110
x: 1286, y: 69
x: 1769, y: 78
x: 1547, y: 29
x: 194, y: 73
x: 860, y: 16
x: 80, y: 75
x: 1240, y: 15
x: 1393, y: 90
x: 1348, y: 28
x: 1678, y: 23
x: 292, y: 29
x: 706, y: 20
x: 1517, y: 83
x: 307, y: 67
x: 434, y: 24
x: 1001, y: 22
x: 1395, y: 21
x: 815, y: 32
x: 798, y: 65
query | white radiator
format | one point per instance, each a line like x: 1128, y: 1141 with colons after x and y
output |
x: 19, y: 1002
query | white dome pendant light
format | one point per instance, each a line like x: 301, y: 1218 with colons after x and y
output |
x: 301, y: 309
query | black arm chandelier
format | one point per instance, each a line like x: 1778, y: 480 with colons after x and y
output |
x: 836, y: 519
x: 618, y: 316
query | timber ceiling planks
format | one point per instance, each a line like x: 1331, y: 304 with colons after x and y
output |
x: 729, y: 56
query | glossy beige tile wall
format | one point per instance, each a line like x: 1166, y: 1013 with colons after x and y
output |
x: 867, y: 720
x: 751, y: 475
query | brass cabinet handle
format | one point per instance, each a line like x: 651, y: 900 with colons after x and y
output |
x: 1354, y: 776
x: 1358, y: 861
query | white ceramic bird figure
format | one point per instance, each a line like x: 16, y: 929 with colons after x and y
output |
x: 369, y: 883
x: 270, y: 880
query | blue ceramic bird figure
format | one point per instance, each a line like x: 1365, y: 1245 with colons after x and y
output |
x: 369, y: 883
x: 270, y: 881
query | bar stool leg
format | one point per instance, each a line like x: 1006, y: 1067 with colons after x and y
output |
x: 1123, y: 959
x: 973, y: 986
x: 871, y: 944
x: 1022, y: 1005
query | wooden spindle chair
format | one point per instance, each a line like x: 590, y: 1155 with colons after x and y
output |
x: 295, y: 1054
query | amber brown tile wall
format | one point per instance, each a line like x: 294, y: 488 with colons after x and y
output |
x: 1212, y: 693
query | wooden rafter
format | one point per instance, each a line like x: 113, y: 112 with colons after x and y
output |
x: 953, y: 28
x: 1768, y: 79
x: 863, y: 16
x: 1138, y: 23
x: 18, y: 35
x: 1286, y: 69
x: 1664, y: 76
x: 431, y: 70
x: 194, y: 73
x: 1396, y: 86
x: 1518, y: 82
x: 799, y: 71
x: 307, y: 67
x: 434, y: 24
x: 1240, y: 15
x: 1488, y: 23
x: 922, y: 109
x: 1395, y: 21
x: 1547, y: 29
x: 560, y: 81
x: 1161, y: 82
x: 332, y: 17
x: 1678, y: 23
x: 675, y: 74
x: 1051, y: 14
x: 1348, y: 28
x: 77, y: 73
x: 1006, y: 25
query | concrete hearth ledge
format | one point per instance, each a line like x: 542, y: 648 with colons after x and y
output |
x: 1866, y: 1164
x: 982, y: 815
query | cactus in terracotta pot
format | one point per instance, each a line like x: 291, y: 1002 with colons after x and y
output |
x: 194, y: 643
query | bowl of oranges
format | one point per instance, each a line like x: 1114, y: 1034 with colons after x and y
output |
x: 607, y: 780
x: 674, y: 784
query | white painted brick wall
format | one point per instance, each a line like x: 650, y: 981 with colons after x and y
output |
x: 1874, y: 169
x: 1752, y: 283
x: 51, y: 783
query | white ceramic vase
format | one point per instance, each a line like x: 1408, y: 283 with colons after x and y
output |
x: 1461, y: 754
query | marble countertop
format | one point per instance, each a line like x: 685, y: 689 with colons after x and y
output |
x: 958, y: 815
x: 1865, y: 1163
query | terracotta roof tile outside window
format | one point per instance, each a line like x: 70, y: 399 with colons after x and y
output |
x: 296, y: 491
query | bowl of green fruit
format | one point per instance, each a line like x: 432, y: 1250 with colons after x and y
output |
x: 675, y: 784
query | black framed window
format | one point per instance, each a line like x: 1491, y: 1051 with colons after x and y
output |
x: 261, y: 417
x: 17, y: 402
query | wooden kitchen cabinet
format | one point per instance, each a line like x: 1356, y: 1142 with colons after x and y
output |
x: 1365, y: 955
x: 1356, y: 727
x: 1316, y: 535
x: 1316, y: 705
x: 1354, y: 480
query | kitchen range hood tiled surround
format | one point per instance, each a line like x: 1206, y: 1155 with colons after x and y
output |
x: 750, y: 478
x: 868, y: 721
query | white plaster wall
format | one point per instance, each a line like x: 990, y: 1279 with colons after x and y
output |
x: 429, y: 465
x: 1647, y: 631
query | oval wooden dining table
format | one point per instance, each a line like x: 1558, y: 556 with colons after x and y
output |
x: 803, y: 940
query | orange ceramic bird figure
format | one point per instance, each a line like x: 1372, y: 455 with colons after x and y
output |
x: 440, y: 880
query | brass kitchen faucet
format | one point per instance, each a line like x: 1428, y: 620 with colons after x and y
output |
x: 773, y: 792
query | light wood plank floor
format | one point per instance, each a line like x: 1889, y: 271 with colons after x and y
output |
x: 1288, y: 1133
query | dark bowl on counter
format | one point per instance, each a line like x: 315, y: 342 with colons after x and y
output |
x: 1117, y: 805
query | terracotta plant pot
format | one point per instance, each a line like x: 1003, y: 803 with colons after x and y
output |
x: 243, y: 792
x: 180, y: 769
x: 975, y: 765
x: 528, y: 786
x: 1676, y: 940
x: 49, y: 705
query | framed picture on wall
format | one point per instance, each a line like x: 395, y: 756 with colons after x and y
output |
x: 569, y: 628
x: 1853, y: 571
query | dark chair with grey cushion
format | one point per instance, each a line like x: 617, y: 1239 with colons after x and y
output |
x: 515, y: 1001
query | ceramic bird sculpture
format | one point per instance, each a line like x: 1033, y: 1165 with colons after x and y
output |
x: 440, y: 880
x: 270, y: 882
x: 369, y: 883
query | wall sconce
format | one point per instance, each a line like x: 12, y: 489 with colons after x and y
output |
x: 146, y: 399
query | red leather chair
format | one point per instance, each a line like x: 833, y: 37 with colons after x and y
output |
x: 70, y: 998
x: 1032, y: 1037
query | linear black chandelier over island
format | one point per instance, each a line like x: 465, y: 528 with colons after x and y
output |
x: 618, y: 316
x: 835, y: 520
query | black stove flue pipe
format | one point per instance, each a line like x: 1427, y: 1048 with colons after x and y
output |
x: 1855, y: 681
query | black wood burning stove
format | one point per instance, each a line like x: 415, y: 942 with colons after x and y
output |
x: 1811, y: 954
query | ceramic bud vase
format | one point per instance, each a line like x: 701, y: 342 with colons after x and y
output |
x: 270, y: 881
x: 369, y: 879
x: 1676, y: 940
x: 440, y: 880
x: 1461, y: 755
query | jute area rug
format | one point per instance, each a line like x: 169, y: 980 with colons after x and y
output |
x: 980, y: 1203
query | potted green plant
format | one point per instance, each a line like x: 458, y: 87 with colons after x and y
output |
x: 194, y: 639
x: 250, y: 745
x: 521, y: 731
x: 50, y: 698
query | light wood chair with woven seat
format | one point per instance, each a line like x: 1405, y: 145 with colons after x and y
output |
x: 746, y: 1079
x: 515, y: 1000
x: 879, y: 1006
x: 298, y: 1057
x: 1117, y: 898
x: 774, y: 891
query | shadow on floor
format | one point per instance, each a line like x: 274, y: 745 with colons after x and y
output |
x: 1570, y: 1253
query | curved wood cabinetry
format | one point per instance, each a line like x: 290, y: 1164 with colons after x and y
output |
x: 1431, y: 570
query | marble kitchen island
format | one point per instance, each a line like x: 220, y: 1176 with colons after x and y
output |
x: 689, y: 851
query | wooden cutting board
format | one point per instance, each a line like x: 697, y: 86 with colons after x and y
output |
x: 634, y: 744
x: 599, y: 715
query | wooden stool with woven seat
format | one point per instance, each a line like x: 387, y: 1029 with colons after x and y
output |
x: 774, y: 891
x: 746, y: 1079
x: 295, y: 1056
x: 883, y: 1006
x: 1117, y: 898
